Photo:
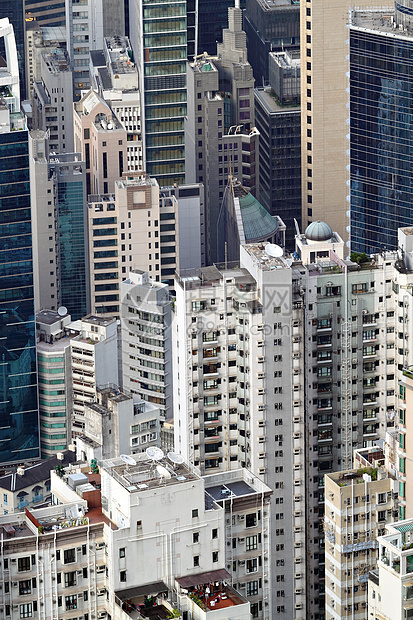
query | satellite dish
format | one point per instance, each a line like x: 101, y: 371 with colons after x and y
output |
x: 163, y: 472
x: 154, y: 454
x: 129, y: 460
x: 274, y: 250
x: 62, y: 311
x: 176, y: 458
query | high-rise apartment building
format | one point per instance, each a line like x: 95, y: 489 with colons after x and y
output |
x: 141, y: 227
x: 381, y: 189
x: 114, y: 75
x: 19, y: 419
x: 159, y: 35
x: 325, y: 113
x: 51, y: 100
x: 146, y: 341
x: 358, y: 504
x: 102, y: 140
x: 247, y: 360
x: 94, y: 364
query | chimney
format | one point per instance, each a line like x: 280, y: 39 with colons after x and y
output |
x: 20, y: 471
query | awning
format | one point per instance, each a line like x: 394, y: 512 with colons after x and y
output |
x: 150, y: 588
x: 203, y: 578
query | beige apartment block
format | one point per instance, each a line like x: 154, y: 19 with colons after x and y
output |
x: 358, y: 504
x: 102, y: 140
x: 325, y: 155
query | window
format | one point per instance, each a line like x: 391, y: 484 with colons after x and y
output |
x: 215, y: 556
x: 252, y: 588
x: 69, y: 555
x: 196, y: 560
x: 252, y: 565
x: 122, y: 575
x: 251, y: 520
x: 122, y: 552
x: 25, y: 587
x: 194, y: 513
x: 71, y: 601
x: 251, y: 542
x: 215, y: 533
x: 23, y: 564
x: 70, y: 579
x: 26, y: 610
x: 195, y: 537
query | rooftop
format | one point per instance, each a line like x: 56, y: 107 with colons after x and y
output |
x: 355, y: 476
x: 36, y: 473
x: 148, y: 473
x: 57, y: 59
x: 98, y: 320
x: 267, y: 262
x: 49, y: 317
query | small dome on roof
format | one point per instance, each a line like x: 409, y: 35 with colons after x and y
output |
x: 318, y: 231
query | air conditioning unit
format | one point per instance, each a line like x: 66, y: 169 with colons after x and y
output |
x: 261, y: 407
x: 241, y: 562
x: 261, y: 423
x: 297, y: 544
x: 297, y: 435
x: 260, y: 328
x: 298, y: 591
x: 297, y: 513
x: 261, y: 439
x: 297, y: 403
x: 241, y: 540
x: 297, y: 529
x: 260, y: 359
x: 297, y: 498
x: 297, y: 560
x: 241, y: 517
x: 296, y: 356
x: 261, y: 455
x: 241, y: 585
x: 262, y: 471
x: 296, y: 371
x: 261, y: 391
x: 297, y: 451
x: 102, y: 592
x: 101, y: 615
x: 261, y: 375
x: 297, y: 466
x: 297, y: 483
x: 298, y: 575
x: 296, y: 419
x: 298, y: 606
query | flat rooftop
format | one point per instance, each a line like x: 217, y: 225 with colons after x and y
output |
x: 49, y: 317
x: 98, y: 320
x: 377, y: 19
x: 147, y: 473
x: 267, y: 262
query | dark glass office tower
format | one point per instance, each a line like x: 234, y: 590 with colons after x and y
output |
x: 162, y: 34
x: 69, y: 173
x: 381, y: 130
x: 14, y: 10
x: 19, y: 427
x: 46, y: 12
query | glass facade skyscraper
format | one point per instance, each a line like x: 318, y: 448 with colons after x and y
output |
x: 163, y: 35
x: 14, y: 10
x: 71, y: 221
x: 381, y: 132
x: 19, y: 427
